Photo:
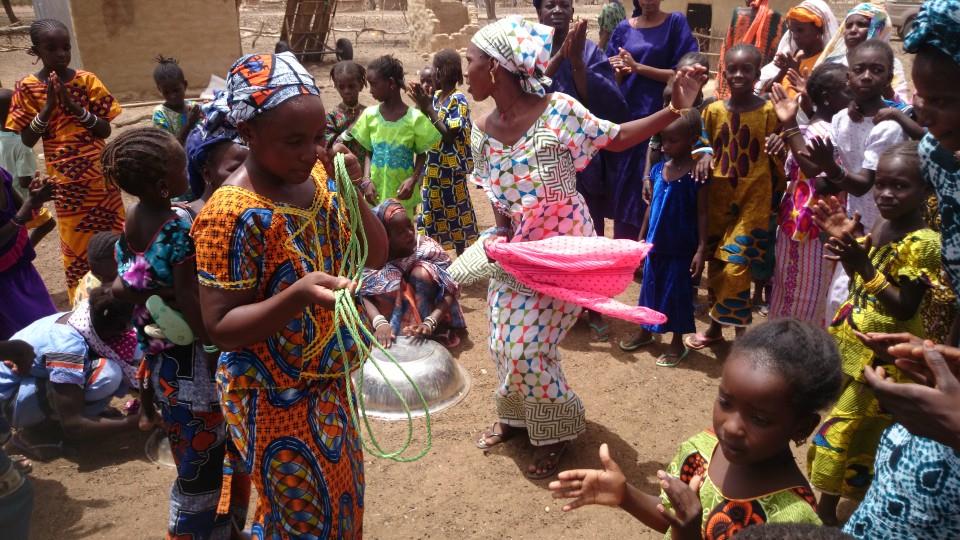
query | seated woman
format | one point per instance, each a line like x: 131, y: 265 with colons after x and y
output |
x: 413, y: 295
x: 74, y: 374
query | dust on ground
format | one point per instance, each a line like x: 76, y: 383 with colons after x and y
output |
x: 110, y: 490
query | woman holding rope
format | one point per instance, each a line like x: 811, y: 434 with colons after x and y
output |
x: 270, y: 245
x: 526, y: 156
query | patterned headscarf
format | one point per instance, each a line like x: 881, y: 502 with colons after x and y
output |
x: 387, y: 209
x: 217, y: 128
x: 520, y: 46
x: 259, y: 82
x: 123, y: 349
x: 815, y: 11
x: 937, y: 25
x: 880, y: 28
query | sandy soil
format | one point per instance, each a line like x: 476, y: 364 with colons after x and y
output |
x: 110, y: 490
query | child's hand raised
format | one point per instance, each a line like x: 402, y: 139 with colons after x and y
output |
x: 41, y: 190
x: 686, y: 516
x: 846, y: 250
x: 821, y: 152
x: 591, y: 486
x: 419, y: 95
x: 832, y: 218
x: 686, y: 86
x: 785, y: 106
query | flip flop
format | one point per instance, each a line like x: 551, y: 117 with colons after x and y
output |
x: 699, y: 341
x: 556, y: 456
x: 626, y: 346
x: 21, y: 462
x: 672, y: 359
x: 174, y: 327
x: 492, y: 434
x: 601, y: 332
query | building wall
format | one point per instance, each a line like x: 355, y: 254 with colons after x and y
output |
x: 120, y: 39
x: 722, y: 10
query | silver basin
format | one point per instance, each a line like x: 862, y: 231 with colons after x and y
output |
x: 158, y: 450
x: 440, y: 378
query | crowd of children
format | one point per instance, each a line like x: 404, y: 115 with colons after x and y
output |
x: 806, y: 181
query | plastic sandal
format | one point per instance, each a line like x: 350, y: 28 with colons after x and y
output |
x: 169, y: 321
x: 671, y: 359
x: 601, y: 332
x: 492, y: 433
x: 699, y: 341
x: 556, y: 456
x: 626, y: 346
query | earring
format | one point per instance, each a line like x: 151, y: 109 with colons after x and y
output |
x: 493, y: 77
x: 165, y: 193
x: 800, y: 441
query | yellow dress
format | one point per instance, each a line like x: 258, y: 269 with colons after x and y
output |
x: 85, y: 204
x: 740, y: 203
x: 842, y: 454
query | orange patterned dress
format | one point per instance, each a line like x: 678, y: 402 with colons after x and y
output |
x: 284, y: 399
x: 85, y: 204
x: 724, y: 517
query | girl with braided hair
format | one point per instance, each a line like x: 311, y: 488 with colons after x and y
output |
x: 156, y: 264
x: 70, y: 111
x: 176, y: 115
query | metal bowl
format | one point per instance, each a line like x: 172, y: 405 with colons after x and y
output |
x: 440, y: 378
x: 157, y: 449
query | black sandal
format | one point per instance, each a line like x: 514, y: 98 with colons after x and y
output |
x: 556, y: 455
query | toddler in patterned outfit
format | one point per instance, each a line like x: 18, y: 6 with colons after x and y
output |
x: 777, y: 378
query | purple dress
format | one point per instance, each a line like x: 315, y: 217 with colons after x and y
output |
x: 597, y: 181
x: 22, y: 292
x: 660, y: 47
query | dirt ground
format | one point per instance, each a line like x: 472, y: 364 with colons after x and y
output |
x: 110, y: 490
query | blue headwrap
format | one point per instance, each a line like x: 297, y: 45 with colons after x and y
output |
x: 937, y: 25
x: 215, y: 129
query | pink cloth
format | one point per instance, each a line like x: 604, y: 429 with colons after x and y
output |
x: 587, y: 271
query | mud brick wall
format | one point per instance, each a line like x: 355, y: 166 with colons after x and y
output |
x: 120, y: 39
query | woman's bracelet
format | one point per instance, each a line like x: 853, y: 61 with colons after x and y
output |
x: 790, y: 132
x: 38, y: 126
x: 88, y: 120
x: 211, y: 349
x: 876, y: 285
x: 674, y: 109
x: 431, y: 321
x: 379, y: 321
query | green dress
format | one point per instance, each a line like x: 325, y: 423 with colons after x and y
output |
x: 393, y: 147
x: 724, y: 517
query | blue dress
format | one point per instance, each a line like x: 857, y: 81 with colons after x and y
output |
x: 667, y: 286
x: 596, y: 182
x: 660, y: 47
x: 915, y: 492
